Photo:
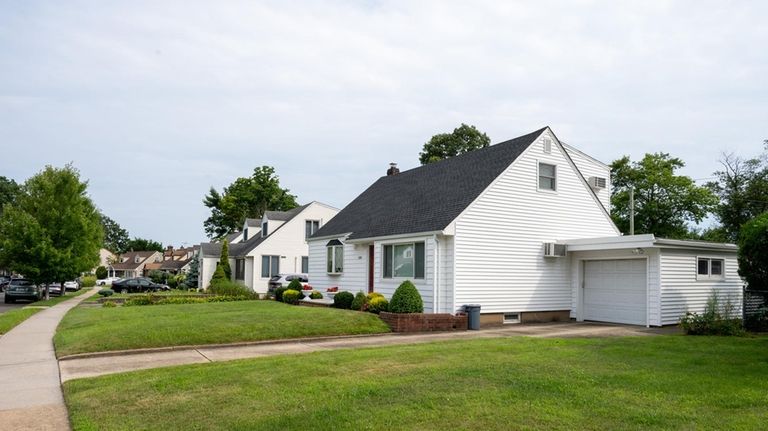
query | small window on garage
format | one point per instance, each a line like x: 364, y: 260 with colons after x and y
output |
x: 710, y: 269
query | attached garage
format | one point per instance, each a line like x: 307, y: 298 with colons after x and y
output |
x: 615, y: 291
x: 643, y: 280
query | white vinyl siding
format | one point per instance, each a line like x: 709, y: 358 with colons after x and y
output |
x: 590, y: 167
x: 681, y: 289
x: 499, y: 261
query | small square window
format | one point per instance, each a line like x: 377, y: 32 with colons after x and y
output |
x: 710, y: 269
x: 716, y: 267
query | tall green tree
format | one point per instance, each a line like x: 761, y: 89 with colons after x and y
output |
x: 742, y: 186
x: 9, y: 189
x: 664, y: 202
x: 753, y: 252
x: 463, y: 139
x: 142, y: 244
x: 194, y: 272
x: 116, y: 238
x: 224, y: 260
x: 247, y: 197
x: 52, y: 232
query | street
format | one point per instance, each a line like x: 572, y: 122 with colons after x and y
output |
x: 8, y: 307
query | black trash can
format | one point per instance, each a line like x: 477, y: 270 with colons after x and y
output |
x: 473, y: 316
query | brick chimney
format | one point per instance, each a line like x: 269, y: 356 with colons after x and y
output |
x: 393, y: 169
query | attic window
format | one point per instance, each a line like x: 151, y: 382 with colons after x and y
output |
x: 335, y: 257
x: 547, y: 177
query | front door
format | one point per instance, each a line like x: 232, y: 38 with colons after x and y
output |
x: 370, y: 268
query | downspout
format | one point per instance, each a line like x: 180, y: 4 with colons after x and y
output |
x: 435, y: 277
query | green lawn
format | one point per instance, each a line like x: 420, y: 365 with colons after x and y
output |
x: 96, y: 329
x: 665, y: 382
x: 10, y: 319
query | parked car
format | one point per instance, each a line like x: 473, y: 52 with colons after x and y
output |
x: 4, y: 282
x: 107, y: 281
x: 21, y: 288
x: 284, y: 279
x: 137, y: 284
x: 71, y: 285
x: 54, y: 289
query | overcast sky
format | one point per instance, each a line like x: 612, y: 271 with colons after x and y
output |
x: 157, y: 101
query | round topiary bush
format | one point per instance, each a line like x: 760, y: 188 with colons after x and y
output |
x: 295, y: 284
x: 106, y: 292
x: 378, y: 304
x: 316, y: 295
x: 343, y: 300
x: 279, y: 293
x: 291, y: 296
x: 358, y: 304
x: 406, y: 299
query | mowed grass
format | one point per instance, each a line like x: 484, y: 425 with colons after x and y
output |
x: 96, y: 329
x: 10, y: 319
x: 669, y: 382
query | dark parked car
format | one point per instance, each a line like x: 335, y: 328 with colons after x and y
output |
x: 137, y: 284
x: 20, y: 288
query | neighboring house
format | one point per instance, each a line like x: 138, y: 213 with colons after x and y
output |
x: 521, y: 228
x: 133, y: 263
x: 274, y: 244
x: 106, y: 257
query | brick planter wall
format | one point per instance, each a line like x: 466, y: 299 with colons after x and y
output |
x: 420, y: 322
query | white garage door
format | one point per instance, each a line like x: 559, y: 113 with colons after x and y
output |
x: 615, y: 291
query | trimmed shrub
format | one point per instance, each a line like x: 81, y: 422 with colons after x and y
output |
x: 358, y: 304
x: 343, y: 300
x: 378, y: 304
x: 406, y: 299
x: 291, y: 296
x: 109, y: 304
x: 101, y: 273
x: 316, y: 295
x: 716, y: 319
x: 373, y: 295
x: 88, y: 281
x: 157, y: 276
x: 139, y: 300
x: 279, y: 293
x: 229, y: 288
x: 295, y: 284
x: 106, y: 292
x: 218, y: 274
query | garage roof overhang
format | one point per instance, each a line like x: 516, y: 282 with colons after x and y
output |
x: 642, y: 241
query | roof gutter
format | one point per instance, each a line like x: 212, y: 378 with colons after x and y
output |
x: 393, y: 237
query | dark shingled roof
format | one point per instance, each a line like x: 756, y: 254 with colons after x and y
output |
x: 427, y: 198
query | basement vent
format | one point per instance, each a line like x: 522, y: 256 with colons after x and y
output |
x: 546, y: 144
x: 511, y: 318
x: 554, y: 250
x: 597, y: 183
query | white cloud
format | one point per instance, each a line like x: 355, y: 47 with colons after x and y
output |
x: 157, y: 101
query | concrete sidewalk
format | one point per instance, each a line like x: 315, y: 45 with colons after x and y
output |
x: 30, y: 386
x: 117, y: 362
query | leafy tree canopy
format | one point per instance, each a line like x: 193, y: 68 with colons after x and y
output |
x: 116, y: 238
x: 52, y: 232
x: 463, y: 139
x: 753, y: 252
x: 141, y: 244
x: 742, y: 185
x: 664, y: 202
x: 247, y: 197
x: 8, y: 191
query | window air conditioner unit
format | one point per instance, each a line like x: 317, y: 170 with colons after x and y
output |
x: 552, y: 249
x: 597, y: 183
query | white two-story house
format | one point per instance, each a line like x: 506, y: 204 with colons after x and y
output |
x: 274, y: 244
x: 523, y: 229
